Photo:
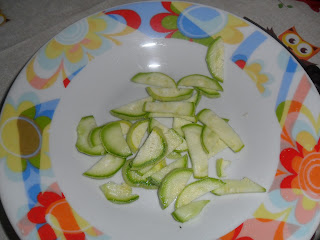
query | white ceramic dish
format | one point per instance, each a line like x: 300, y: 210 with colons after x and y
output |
x: 86, y: 70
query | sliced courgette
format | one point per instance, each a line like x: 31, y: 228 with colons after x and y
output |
x: 94, y: 136
x: 195, y: 98
x: 134, y: 179
x: 208, y: 139
x: 157, y: 177
x: 183, y: 147
x: 114, y: 141
x: 174, y: 155
x: 218, y: 147
x: 152, y: 151
x: 197, y: 189
x: 209, y: 93
x: 125, y: 126
x: 131, y: 111
x: 221, y: 165
x: 171, y: 115
x: 202, y: 81
x: 179, y: 108
x: 118, y: 193
x: 215, y: 59
x: 171, y: 186
x: 106, y: 167
x: 155, y: 123
x: 136, y: 134
x: 150, y: 169
x: 173, y: 139
x: 85, y: 126
x: 244, y: 185
x: 198, y: 156
x: 189, y: 211
x: 222, y: 128
x: 154, y: 79
x: 169, y: 94
x: 178, y: 123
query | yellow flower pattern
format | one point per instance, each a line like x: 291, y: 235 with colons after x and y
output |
x: 254, y: 72
x: 75, y: 52
x: 22, y: 138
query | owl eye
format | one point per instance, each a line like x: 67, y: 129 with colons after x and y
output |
x: 292, y: 39
x: 304, y: 48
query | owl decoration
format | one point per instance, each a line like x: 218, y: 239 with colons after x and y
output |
x: 297, y: 45
x: 300, y: 48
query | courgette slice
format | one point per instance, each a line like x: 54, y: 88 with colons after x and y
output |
x: 174, y: 155
x: 154, y: 79
x: 178, y: 123
x: 178, y: 108
x: 85, y: 126
x: 152, y: 151
x: 222, y: 128
x: 173, y: 139
x: 157, y: 177
x: 183, y: 147
x: 94, y: 136
x: 106, y: 167
x: 195, y: 98
x: 118, y: 193
x: 149, y: 170
x: 136, y: 134
x: 125, y: 126
x: 208, y: 139
x: 221, y: 165
x: 209, y: 93
x: 189, y: 211
x: 218, y: 147
x: 171, y: 115
x: 171, y: 186
x: 198, y: 156
x: 169, y: 94
x: 244, y: 185
x: 114, y: 141
x: 131, y: 111
x: 134, y: 179
x: 198, y: 80
x: 215, y: 59
x: 197, y: 189
x: 155, y: 123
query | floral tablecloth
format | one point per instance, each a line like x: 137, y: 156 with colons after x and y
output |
x: 27, y: 25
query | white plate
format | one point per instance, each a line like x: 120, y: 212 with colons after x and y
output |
x: 86, y: 70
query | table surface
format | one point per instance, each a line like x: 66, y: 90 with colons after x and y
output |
x: 33, y: 22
